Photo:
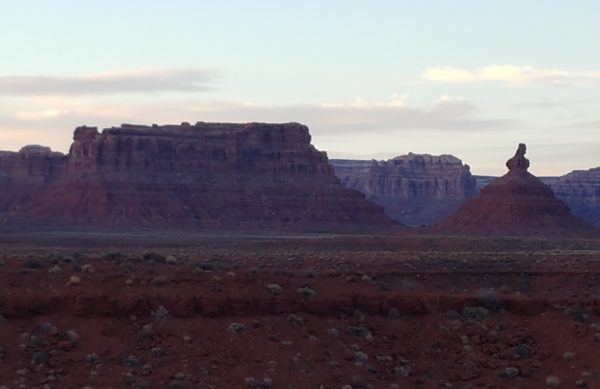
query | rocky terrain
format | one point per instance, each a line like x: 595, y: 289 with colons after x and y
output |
x: 170, y: 310
x: 580, y: 189
x: 216, y: 175
x: 515, y: 203
x: 414, y: 189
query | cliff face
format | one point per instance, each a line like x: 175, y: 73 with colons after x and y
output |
x: 580, y: 189
x: 414, y: 189
x: 515, y: 203
x: 204, y: 175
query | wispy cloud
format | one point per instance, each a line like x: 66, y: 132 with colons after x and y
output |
x: 142, y: 80
x: 511, y: 74
x: 338, y: 122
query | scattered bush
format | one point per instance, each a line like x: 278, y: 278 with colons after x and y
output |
x: 237, y: 328
x: 306, y: 291
x: 154, y: 257
x: 552, y: 381
x: 275, y: 289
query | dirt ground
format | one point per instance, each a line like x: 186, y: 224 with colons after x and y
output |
x: 97, y: 310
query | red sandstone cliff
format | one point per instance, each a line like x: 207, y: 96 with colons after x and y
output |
x: 215, y: 175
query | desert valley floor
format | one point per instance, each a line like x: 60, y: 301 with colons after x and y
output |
x: 172, y: 310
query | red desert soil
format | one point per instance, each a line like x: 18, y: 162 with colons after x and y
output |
x: 101, y: 310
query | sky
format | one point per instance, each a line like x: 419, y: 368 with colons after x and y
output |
x: 372, y: 80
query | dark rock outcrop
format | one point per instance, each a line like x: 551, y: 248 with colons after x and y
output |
x: 414, y: 189
x: 515, y: 203
x: 580, y: 189
x: 214, y: 175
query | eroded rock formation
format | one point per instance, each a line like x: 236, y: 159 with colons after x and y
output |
x: 415, y: 188
x: 580, y: 189
x: 216, y: 175
x: 514, y: 203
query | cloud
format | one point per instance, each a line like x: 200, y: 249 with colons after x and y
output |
x: 143, y: 80
x: 51, y: 120
x: 552, y: 104
x: 511, y: 74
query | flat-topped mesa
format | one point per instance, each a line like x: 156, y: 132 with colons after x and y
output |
x: 518, y: 164
x: 203, y: 148
x: 213, y: 175
x: 414, y: 189
x: 515, y: 203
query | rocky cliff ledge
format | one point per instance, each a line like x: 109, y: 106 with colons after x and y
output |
x: 580, y: 189
x: 414, y: 189
x: 214, y: 175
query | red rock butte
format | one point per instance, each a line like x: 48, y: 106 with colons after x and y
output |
x: 515, y: 203
x: 208, y: 175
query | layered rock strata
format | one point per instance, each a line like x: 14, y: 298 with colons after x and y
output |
x: 580, y: 189
x: 214, y: 175
x: 414, y: 189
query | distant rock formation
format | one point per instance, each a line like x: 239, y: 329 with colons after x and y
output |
x: 414, y: 189
x: 515, y: 203
x: 580, y: 189
x: 211, y: 175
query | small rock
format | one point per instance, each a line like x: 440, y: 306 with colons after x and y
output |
x: 39, y: 358
x: 72, y: 336
x: 568, y: 355
x: 93, y: 359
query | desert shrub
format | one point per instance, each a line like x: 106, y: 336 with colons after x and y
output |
x: 154, y: 257
x: 114, y: 256
x: 578, y: 313
x: 295, y: 320
x: 161, y: 313
x: 237, y: 328
x: 552, y: 381
x: 275, y: 289
x: 489, y: 299
x: 31, y: 263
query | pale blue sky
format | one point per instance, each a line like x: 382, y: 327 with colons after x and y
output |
x: 471, y: 78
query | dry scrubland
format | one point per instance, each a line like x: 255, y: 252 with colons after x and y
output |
x: 178, y: 310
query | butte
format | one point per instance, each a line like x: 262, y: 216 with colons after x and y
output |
x: 514, y: 204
